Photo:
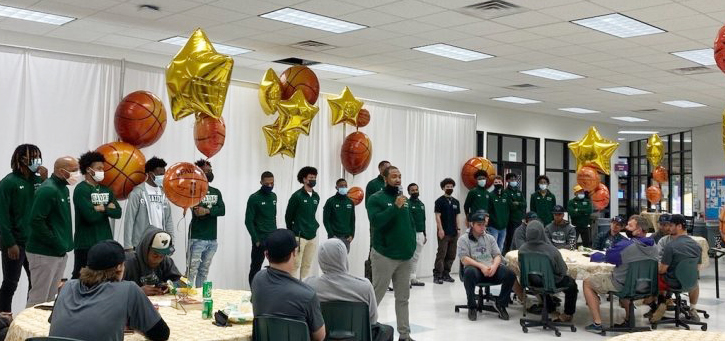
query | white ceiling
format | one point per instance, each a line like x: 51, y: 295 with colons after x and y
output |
x: 539, y: 37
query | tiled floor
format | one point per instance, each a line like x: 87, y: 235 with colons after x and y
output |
x: 432, y: 316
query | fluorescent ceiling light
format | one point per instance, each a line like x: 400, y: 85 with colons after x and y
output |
x: 554, y: 74
x: 221, y: 48
x: 637, y: 132
x: 440, y: 87
x: 626, y: 90
x: 618, y: 25
x: 517, y: 100
x: 341, y: 69
x: 453, y: 52
x: 621, y: 138
x: 579, y: 110
x: 629, y: 119
x: 702, y: 56
x: 41, y: 17
x: 685, y: 104
x: 311, y: 20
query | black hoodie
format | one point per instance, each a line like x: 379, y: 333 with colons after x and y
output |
x: 137, y: 266
x: 536, y: 243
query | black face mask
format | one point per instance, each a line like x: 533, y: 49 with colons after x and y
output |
x: 498, y: 187
x: 414, y: 196
x: 210, y: 177
x: 267, y: 189
x: 392, y: 189
x: 312, y: 183
x: 629, y: 233
x: 449, y: 191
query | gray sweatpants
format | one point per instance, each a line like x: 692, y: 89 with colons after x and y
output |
x: 45, y: 275
x: 385, y: 269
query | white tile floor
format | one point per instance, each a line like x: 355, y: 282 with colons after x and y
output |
x: 432, y: 316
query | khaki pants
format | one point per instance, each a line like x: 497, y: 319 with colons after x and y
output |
x: 307, y: 250
x: 419, y: 239
x: 45, y: 275
x: 385, y: 269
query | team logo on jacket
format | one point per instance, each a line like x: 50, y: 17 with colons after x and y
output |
x: 100, y: 198
x: 548, y: 198
x: 314, y: 201
x: 210, y: 200
x: 349, y: 205
x: 155, y: 198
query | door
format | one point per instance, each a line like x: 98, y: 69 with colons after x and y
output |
x: 518, y: 168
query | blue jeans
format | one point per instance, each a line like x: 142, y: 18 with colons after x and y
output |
x: 500, y: 236
x: 200, y: 257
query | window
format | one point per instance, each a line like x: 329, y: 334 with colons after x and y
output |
x: 514, y: 154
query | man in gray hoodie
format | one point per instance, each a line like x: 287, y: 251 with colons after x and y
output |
x: 147, y: 205
x: 561, y: 233
x: 536, y: 243
x: 336, y: 284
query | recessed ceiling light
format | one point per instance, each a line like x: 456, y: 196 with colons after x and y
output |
x: 311, y: 20
x: 626, y: 90
x: 41, y: 17
x: 702, y: 56
x: 637, y: 132
x: 517, y: 100
x: 221, y: 48
x: 618, y: 25
x: 341, y: 69
x: 629, y: 119
x: 552, y: 74
x: 453, y: 52
x: 579, y: 110
x: 685, y: 104
x: 440, y: 87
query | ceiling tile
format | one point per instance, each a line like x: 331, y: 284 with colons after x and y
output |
x: 448, y: 19
x: 24, y: 26
x: 328, y: 8
x: 526, y: 19
x: 63, y: 9
x: 576, y: 10
x: 76, y: 34
x: 408, y: 27
x: 121, y: 41
x: 661, y: 12
x: 517, y: 36
x: 252, y: 7
x: 409, y: 8
x: 370, y: 17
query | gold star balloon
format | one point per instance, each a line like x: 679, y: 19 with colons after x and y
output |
x: 296, y: 114
x: 593, y: 150
x: 344, y: 108
x: 655, y: 150
x: 280, y: 143
x: 198, y: 78
x: 270, y: 92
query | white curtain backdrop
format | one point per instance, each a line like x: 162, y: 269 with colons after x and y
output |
x: 65, y: 105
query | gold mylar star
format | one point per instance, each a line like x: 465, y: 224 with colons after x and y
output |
x: 593, y: 150
x: 296, y: 114
x: 278, y: 142
x: 270, y: 92
x: 344, y: 108
x: 655, y: 150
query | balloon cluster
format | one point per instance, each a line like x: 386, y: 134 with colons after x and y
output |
x: 655, y: 153
x: 292, y: 96
x: 357, y: 150
x: 469, y: 169
x: 593, y: 155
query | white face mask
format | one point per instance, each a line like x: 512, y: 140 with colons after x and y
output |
x: 482, y: 183
x: 159, y: 180
x: 35, y: 164
x: 580, y: 195
x: 342, y: 190
x: 98, y: 176
x: 543, y: 187
x: 513, y: 183
x: 75, y: 177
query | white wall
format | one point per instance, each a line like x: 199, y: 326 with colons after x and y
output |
x: 707, y: 157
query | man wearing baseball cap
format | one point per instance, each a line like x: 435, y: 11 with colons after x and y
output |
x: 150, y: 266
x: 607, y: 239
x: 99, y: 305
x: 665, y: 227
x: 520, y: 233
x: 560, y: 232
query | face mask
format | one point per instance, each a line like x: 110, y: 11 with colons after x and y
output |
x: 498, y: 186
x: 311, y: 183
x: 513, y: 183
x: 414, y: 196
x: 267, y: 189
x: 210, y: 177
x: 35, y: 164
x: 482, y: 183
x: 543, y: 187
x: 74, y: 178
x: 629, y: 233
x: 159, y: 180
x: 449, y: 191
x: 98, y: 176
x: 580, y: 195
x: 391, y: 189
x: 342, y: 190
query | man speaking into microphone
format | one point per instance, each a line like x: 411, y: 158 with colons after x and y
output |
x: 393, y: 243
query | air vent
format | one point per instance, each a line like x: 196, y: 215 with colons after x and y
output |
x: 311, y: 45
x: 296, y: 61
x: 522, y: 87
x: 694, y: 70
x: 647, y: 111
x: 492, y: 9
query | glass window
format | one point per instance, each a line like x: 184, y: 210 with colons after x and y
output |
x: 572, y: 159
x: 643, y: 165
x: 687, y: 160
x: 633, y: 148
x: 554, y: 155
x: 643, y: 146
x: 556, y: 183
x: 675, y: 163
x: 530, y: 151
x: 688, y: 195
x: 676, y: 139
x: 512, y: 145
x: 665, y: 142
x: 572, y: 183
x: 675, y: 193
x: 687, y: 141
x: 665, y: 188
x: 530, y: 181
x: 492, y: 148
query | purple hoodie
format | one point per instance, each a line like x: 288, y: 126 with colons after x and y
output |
x: 625, y: 252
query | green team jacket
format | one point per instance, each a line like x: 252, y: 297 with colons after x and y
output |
x: 205, y: 227
x: 580, y: 211
x: 543, y: 205
x: 500, y: 210
x: 374, y: 186
x: 477, y: 199
x: 51, y: 230
x: 261, y: 215
x: 16, y: 202
x: 300, y: 215
x: 393, y: 232
x: 518, y: 204
x: 338, y: 216
x: 417, y: 212
x: 92, y: 226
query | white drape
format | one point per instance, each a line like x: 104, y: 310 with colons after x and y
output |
x: 65, y: 105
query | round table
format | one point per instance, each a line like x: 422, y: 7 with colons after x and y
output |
x: 671, y: 335
x: 580, y: 267
x: 190, y: 326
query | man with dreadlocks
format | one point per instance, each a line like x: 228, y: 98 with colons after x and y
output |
x: 16, y: 199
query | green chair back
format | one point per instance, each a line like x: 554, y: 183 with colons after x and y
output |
x: 686, y: 273
x: 536, y: 265
x: 346, y: 320
x: 641, y: 280
x: 272, y: 328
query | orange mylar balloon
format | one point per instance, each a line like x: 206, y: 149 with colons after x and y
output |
x: 600, y: 197
x: 356, y: 194
x: 185, y: 184
x: 209, y: 134
x: 123, y: 167
x: 140, y: 119
x: 719, y: 49
x: 660, y: 174
x: 654, y: 194
x: 588, y: 178
x: 468, y: 172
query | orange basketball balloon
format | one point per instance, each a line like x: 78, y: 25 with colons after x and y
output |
x: 123, y: 167
x: 140, y: 119
x: 719, y: 48
x: 185, y: 184
x: 363, y: 118
x: 356, y: 194
x: 302, y: 78
x: 356, y: 153
x: 468, y: 172
x: 600, y: 197
x: 660, y: 174
x: 654, y: 194
x: 588, y: 178
x: 209, y: 134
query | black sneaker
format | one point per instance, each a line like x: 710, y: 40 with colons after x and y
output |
x: 624, y: 324
x: 417, y: 283
x: 502, y: 313
x: 390, y: 288
x: 448, y: 278
x: 472, y: 314
x: 437, y: 280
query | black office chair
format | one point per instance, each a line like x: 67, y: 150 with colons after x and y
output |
x: 640, y: 283
x: 272, y: 328
x: 346, y: 321
x: 484, y: 295
x: 686, y: 274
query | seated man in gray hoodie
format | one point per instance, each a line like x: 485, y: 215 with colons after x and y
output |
x: 336, y: 284
x: 536, y: 243
x: 151, y: 265
x: 561, y: 233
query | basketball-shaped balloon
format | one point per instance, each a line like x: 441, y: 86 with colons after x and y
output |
x: 356, y: 194
x: 123, y: 168
x: 468, y: 172
x: 140, y: 119
x: 209, y: 134
x: 185, y: 184
x: 654, y: 194
x: 600, y: 197
x: 356, y: 152
x: 660, y: 174
x: 363, y: 118
x: 719, y: 49
x: 300, y: 77
x: 588, y: 178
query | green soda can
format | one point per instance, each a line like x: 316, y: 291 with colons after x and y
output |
x: 206, y: 290
x: 208, y: 310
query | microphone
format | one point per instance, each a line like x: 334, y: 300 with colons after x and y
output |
x: 400, y: 190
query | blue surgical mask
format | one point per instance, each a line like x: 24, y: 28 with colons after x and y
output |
x: 159, y: 180
x: 482, y: 183
x: 35, y: 164
x: 342, y: 190
x: 513, y: 183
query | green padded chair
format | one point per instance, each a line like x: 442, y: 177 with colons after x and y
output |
x: 686, y: 274
x: 349, y: 321
x: 484, y: 294
x: 537, y: 277
x: 272, y: 328
x: 640, y: 283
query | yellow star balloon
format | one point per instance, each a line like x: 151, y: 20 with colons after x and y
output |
x: 296, y: 114
x: 280, y: 143
x: 593, y: 150
x: 270, y: 92
x: 655, y: 150
x: 198, y: 78
x: 344, y: 108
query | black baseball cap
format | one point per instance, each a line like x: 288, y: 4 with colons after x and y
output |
x: 558, y: 209
x: 665, y: 218
x: 531, y: 215
x: 678, y: 219
x: 619, y: 220
x: 477, y: 216
x: 105, y: 255
x: 280, y: 243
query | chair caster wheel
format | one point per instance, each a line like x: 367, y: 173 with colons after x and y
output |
x: 704, y: 328
x: 457, y: 310
x: 654, y: 326
x: 557, y: 333
x: 707, y: 316
x: 545, y: 327
x: 573, y: 329
x: 524, y: 329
